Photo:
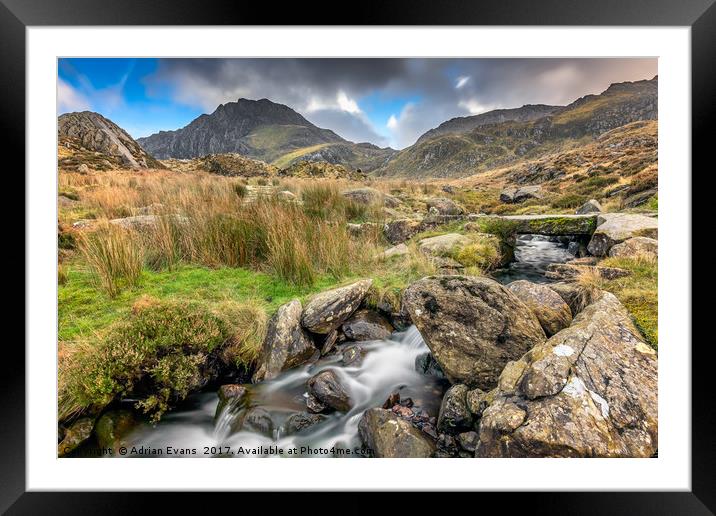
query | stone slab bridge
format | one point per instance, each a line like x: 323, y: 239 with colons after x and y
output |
x: 550, y: 225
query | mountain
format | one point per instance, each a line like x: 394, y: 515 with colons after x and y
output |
x: 466, y: 124
x: 88, y: 138
x: 263, y: 130
x: 469, y: 145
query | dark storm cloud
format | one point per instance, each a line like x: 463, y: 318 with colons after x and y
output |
x: 331, y: 92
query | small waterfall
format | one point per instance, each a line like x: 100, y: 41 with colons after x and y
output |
x: 387, y: 365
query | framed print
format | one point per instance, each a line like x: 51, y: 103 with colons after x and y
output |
x: 423, y: 248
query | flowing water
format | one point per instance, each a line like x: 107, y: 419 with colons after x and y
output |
x: 533, y: 253
x: 387, y: 366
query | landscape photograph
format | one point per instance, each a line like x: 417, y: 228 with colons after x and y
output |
x: 357, y: 257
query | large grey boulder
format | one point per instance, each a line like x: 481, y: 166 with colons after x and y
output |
x: 328, y: 310
x: 367, y: 325
x: 389, y: 436
x: 570, y: 272
x: 396, y: 250
x: 326, y: 387
x: 286, y: 344
x: 591, y: 206
x: 615, y: 228
x: 589, y: 391
x: 442, y: 244
x: 521, y: 194
x: 444, y: 206
x: 400, y: 230
x: 472, y: 325
x: 551, y: 310
x: 364, y: 195
x: 636, y: 246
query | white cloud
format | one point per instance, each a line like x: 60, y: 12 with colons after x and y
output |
x: 472, y: 106
x: 346, y: 103
x: 69, y: 99
x: 461, y: 81
x: 392, y: 122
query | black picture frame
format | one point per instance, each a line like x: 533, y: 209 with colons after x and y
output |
x: 699, y: 15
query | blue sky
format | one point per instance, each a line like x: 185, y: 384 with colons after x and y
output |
x: 383, y: 101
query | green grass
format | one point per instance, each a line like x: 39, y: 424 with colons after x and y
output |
x: 638, y: 292
x: 83, y: 309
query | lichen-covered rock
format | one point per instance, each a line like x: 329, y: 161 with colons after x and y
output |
x: 286, y: 344
x: 478, y: 400
x: 426, y: 364
x: 636, y: 246
x: 551, y: 310
x: 328, y: 310
x: 113, y: 427
x: 398, y: 231
x: 77, y: 433
x: 576, y: 296
x: 615, y: 228
x: 444, y: 206
x: 455, y: 416
x: 352, y: 355
x: 589, y: 391
x: 364, y: 195
x: 396, y: 250
x: 591, y: 206
x: 258, y: 420
x: 389, y: 436
x: 367, y: 325
x: 300, y: 421
x: 442, y: 244
x: 521, y: 194
x: 468, y: 441
x: 326, y: 387
x: 472, y: 325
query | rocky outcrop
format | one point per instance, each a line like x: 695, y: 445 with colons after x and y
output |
x: 387, y: 435
x: 551, y: 310
x: 521, y: 194
x: 367, y: 325
x: 328, y: 310
x: 589, y: 391
x: 615, y: 228
x: 286, y: 344
x: 444, y: 206
x: 576, y: 296
x: 636, y: 246
x: 591, y: 206
x: 327, y: 389
x: 398, y: 231
x: 472, y: 325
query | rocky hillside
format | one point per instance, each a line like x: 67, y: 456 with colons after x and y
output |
x: 263, y: 130
x: 89, y: 139
x: 230, y: 164
x: 459, y: 148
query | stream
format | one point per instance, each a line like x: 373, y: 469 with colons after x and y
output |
x: 387, y: 366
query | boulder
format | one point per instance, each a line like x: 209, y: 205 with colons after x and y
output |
x: 352, y: 355
x: 517, y: 195
x: 591, y: 206
x: 636, y: 246
x: 113, y: 427
x: 328, y: 310
x: 387, y: 435
x: 258, y: 420
x: 442, y: 244
x: 576, y: 296
x: 551, y: 310
x: 367, y: 325
x: 398, y: 231
x: 615, y: 228
x: 314, y: 405
x: 286, y: 195
x: 77, y: 433
x: 286, y: 344
x: 327, y: 389
x: 364, y: 195
x: 468, y: 441
x: 589, y: 391
x: 477, y: 401
x: 444, y: 206
x: 455, y: 416
x: 397, y: 250
x: 546, y: 224
x: 570, y: 272
x: 300, y: 421
x: 426, y: 364
x: 472, y: 325
x: 231, y: 396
